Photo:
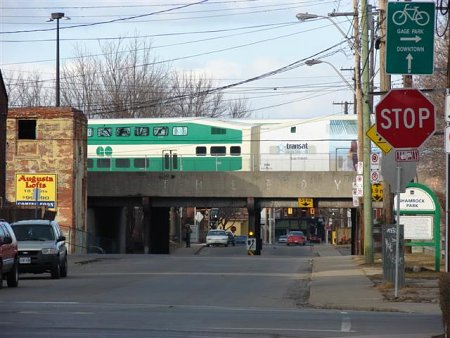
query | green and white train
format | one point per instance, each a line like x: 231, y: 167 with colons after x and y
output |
x: 206, y: 144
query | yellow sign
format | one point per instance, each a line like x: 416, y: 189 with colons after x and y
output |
x: 36, y: 189
x: 305, y: 202
x: 377, y: 192
x: 378, y: 140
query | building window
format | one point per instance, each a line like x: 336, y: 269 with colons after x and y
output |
x: 218, y: 151
x: 27, y: 130
x: 179, y: 131
x: 293, y: 130
x: 104, y: 132
x: 200, y: 151
x: 123, y: 131
x: 235, y: 151
x: 218, y: 131
x: 122, y: 163
x: 103, y: 163
x: 141, y: 131
x: 160, y: 131
x: 90, y: 163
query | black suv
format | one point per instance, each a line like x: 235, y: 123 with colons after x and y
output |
x: 42, y: 247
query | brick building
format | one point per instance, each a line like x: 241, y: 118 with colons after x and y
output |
x: 46, y: 165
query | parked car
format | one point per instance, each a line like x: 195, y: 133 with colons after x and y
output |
x: 216, y: 237
x: 9, y: 259
x: 231, y: 239
x: 240, y: 239
x: 315, y: 239
x: 296, y: 237
x: 42, y: 247
x: 282, y: 239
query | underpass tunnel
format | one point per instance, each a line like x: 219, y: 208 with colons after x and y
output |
x: 110, y: 226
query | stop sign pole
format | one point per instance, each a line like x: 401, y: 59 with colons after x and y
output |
x: 405, y: 118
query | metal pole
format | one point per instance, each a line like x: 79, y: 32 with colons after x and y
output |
x: 57, y: 63
x: 397, y: 242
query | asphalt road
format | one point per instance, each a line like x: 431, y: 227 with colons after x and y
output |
x: 221, y: 292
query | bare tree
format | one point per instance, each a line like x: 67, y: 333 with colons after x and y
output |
x: 431, y: 168
x: 27, y: 91
x: 125, y: 81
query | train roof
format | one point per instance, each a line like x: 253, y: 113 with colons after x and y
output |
x: 231, y: 122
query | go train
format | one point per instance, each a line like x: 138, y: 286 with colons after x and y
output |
x: 207, y: 144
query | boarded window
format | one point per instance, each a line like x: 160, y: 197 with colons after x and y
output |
x: 27, y: 130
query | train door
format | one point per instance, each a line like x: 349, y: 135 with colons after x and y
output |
x: 170, y: 160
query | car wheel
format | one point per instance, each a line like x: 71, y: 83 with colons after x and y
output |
x: 64, y: 268
x: 226, y: 245
x: 12, y: 278
x: 56, y: 271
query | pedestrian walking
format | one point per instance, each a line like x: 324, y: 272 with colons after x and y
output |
x: 187, y: 235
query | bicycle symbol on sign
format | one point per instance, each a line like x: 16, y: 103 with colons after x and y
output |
x: 412, y: 13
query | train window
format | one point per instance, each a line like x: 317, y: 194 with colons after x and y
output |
x: 235, y: 151
x: 90, y: 132
x: 218, y: 151
x: 27, y: 130
x: 160, y: 131
x: 179, y: 131
x: 218, y: 131
x: 123, y: 131
x: 293, y: 130
x: 141, y: 131
x: 103, y: 163
x: 123, y: 163
x: 200, y: 151
x: 141, y: 163
x: 90, y: 163
x: 104, y: 132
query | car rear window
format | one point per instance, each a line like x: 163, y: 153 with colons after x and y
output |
x: 34, y: 232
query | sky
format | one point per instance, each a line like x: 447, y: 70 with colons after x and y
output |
x: 258, y: 42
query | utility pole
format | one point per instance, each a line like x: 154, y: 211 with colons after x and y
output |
x: 385, y: 86
x: 367, y: 188
x: 345, y: 104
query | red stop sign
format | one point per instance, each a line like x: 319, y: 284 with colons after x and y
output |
x: 405, y: 118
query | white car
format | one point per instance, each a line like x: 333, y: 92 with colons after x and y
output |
x: 217, y: 237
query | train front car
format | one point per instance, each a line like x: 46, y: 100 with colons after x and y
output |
x: 320, y: 144
x: 168, y: 144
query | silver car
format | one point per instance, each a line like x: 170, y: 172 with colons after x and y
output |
x: 217, y: 237
x: 42, y: 247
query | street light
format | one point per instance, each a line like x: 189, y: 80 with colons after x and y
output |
x: 313, y: 62
x: 308, y: 16
x: 57, y: 17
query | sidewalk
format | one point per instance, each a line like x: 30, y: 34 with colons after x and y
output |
x: 340, y: 282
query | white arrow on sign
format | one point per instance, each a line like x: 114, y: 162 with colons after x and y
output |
x: 409, y: 58
x: 414, y: 38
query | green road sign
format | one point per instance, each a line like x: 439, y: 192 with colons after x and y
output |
x: 410, y: 37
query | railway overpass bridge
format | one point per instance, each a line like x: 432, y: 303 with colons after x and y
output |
x: 110, y: 194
